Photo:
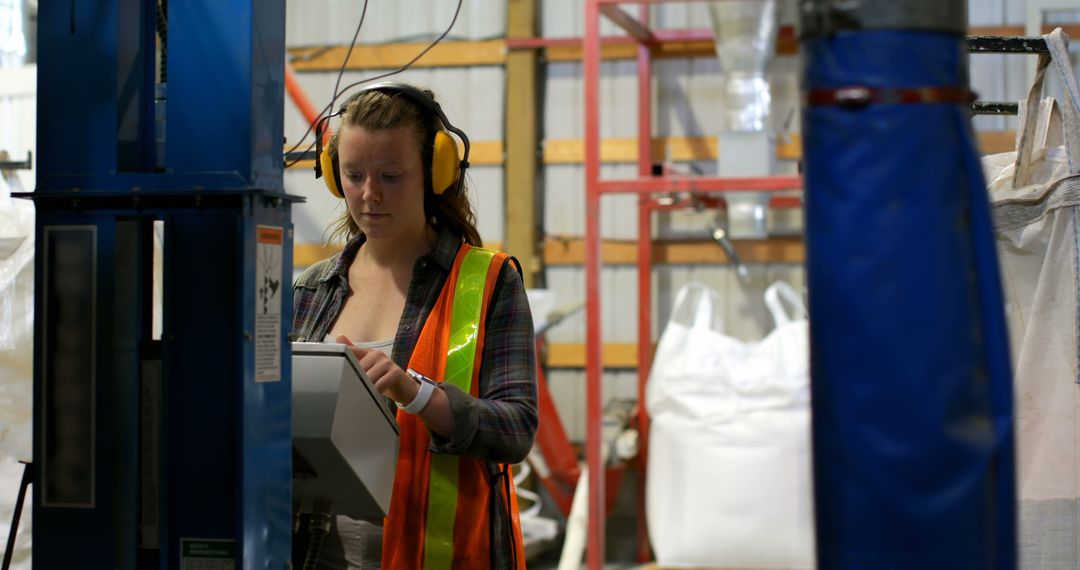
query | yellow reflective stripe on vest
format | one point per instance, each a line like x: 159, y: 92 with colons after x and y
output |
x: 465, y: 317
x: 460, y: 363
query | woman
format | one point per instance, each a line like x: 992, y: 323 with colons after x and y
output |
x: 404, y: 292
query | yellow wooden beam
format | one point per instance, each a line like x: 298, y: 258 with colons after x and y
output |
x: 572, y: 355
x: 522, y: 140
x: 308, y: 254
x: 993, y: 142
x: 494, y: 52
x: 616, y: 51
x: 486, y: 153
x: 624, y: 252
x: 1073, y: 30
x: 301, y: 165
x: 787, y: 43
x: 482, y: 153
x: 389, y: 56
x: 572, y: 151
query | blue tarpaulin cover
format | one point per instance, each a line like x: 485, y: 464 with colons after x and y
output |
x: 912, y: 403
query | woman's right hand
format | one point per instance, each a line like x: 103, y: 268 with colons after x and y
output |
x: 386, y: 376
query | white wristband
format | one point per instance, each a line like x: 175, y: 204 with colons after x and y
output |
x: 422, y: 398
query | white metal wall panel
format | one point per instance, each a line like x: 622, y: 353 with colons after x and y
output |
x: 564, y: 189
x: 682, y: 15
x: 1013, y: 11
x: 564, y: 92
x: 679, y: 15
x: 689, y: 96
x: 618, y: 286
x: 564, y: 202
x: 567, y: 389
x: 18, y: 116
x: 743, y: 311
x: 987, y: 77
x: 322, y: 22
x: 565, y: 18
x: 619, y: 324
x: 1059, y: 18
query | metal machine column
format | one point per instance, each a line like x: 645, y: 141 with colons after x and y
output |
x: 161, y: 452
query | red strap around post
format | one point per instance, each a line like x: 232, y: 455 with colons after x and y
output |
x: 857, y: 96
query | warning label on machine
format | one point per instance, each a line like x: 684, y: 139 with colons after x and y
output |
x: 269, y: 276
x: 207, y: 554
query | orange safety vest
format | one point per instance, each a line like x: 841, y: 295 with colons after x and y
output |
x: 439, y: 511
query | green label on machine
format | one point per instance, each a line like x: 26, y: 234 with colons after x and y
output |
x: 207, y: 554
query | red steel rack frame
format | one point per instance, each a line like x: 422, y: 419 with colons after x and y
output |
x: 648, y: 188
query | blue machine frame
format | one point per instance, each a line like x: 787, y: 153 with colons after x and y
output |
x: 151, y: 453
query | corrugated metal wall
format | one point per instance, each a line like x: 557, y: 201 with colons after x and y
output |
x: 686, y: 103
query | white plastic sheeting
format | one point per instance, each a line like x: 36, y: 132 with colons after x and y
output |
x: 17, y: 117
x: 16, y: 323
x: 16, y: 352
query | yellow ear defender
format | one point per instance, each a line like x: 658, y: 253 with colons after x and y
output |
x: 447, y: 167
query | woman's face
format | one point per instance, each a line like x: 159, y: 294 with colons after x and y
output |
x: 382, y: 177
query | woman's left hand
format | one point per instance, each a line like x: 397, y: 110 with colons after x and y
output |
x: 387, y: 377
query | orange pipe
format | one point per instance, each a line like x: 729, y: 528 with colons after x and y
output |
x: 311, y: 114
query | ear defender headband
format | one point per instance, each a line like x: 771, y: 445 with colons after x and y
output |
x: 447, y: 168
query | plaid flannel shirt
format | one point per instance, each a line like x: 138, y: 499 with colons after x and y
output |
x: 500, y: 425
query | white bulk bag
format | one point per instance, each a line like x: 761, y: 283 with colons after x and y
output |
x: 16, y: 362
x: 729, y: 476
x: 1035, y: 194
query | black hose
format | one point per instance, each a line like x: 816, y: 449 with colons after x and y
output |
x: 319, y: 527
x: 15, y: 518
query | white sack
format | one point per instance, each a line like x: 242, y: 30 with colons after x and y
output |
x: 729, y: 474
x: 1035, y: 194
